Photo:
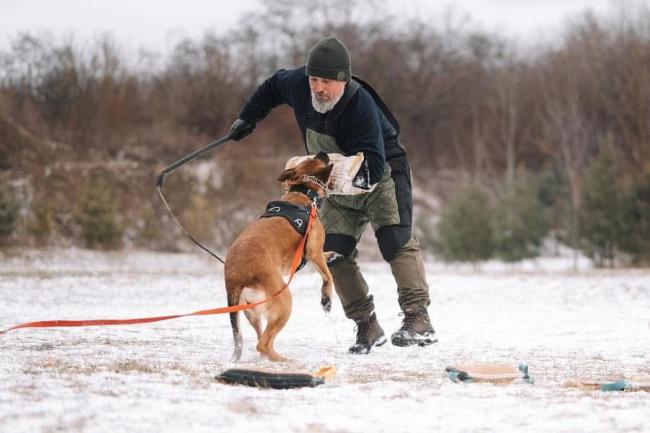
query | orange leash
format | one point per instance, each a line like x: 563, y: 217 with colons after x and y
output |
x: 297, y: 258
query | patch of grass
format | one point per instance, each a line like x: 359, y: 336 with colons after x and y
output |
x: 133, y: 366
x: 58, y: 366
x: 320, y: 428
x: 43, y: 347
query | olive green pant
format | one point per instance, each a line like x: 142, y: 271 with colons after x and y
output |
x: 407, y: 269
x: 345, y: 218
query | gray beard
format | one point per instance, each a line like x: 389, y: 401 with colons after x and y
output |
x: 324, y: 107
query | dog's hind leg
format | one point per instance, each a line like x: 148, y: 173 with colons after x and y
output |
x: 278, y: 313
x: 233, y: 299
x: 236, y: 335
x: 255, y: 321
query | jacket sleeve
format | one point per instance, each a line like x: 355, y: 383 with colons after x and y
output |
x: 362, y: 133
x: 276, y: 90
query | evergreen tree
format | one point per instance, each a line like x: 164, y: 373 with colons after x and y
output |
x: 638, y: 243
x: 605, y: 208
x: 465, y: 230
x: 520, y: 222
x: 8, y: 211
x: 555, y: 197
x: 97, y: 216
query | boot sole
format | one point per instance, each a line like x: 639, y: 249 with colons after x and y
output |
x: 380, y: 342
x: 405, y: 343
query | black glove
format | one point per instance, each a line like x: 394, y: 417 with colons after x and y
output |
x: 362, y: 178
x: 240, y: 129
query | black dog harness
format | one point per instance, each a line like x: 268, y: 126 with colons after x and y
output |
x: 296, y: 214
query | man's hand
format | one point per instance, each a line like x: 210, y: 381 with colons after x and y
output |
x: 362, y: 178
x: 240, y: 129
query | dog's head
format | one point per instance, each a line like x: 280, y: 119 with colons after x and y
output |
x: 304, y: 173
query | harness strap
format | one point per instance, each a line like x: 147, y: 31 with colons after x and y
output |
x: 297, y: 257
x: 296, y: 214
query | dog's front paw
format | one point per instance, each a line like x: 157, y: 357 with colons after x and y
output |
x: 332, y: 257
x: 326, y: 302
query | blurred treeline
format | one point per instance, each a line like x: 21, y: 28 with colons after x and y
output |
x: 513, y: 147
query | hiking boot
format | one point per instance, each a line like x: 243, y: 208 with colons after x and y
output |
x: 369, y: 334
x: 416, y: 329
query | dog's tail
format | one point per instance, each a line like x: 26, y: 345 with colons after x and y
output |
x: 234, y: 323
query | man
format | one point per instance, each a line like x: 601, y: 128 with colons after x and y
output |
x: 338, y: 114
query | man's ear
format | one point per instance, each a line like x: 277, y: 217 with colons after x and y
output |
x: 287, y: 174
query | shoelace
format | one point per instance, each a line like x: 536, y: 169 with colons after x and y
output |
x: 408, y: 319
x: 362, y: 329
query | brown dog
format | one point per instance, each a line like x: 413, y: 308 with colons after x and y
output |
x: 263, y: 253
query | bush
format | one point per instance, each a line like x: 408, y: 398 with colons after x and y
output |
x: 9, y: 208
x: 555, y: 196
x: 97, y: 216
x: 149, y: 232
x: 605, y: 212
x: 465, y: 229
x: 199, y: 217
x: 41, y: 222
x: 638, y: 243
x: 520, y: 223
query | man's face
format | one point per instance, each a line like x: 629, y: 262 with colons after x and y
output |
x: 325, y: 93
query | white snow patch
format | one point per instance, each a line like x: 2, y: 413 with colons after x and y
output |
x: 159, y: 377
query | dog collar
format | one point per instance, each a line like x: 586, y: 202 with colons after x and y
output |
x: 313, y: 195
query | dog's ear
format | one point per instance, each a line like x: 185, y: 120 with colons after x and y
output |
x: 322, y: 156
x: 287, y: 174
x: 324, y: 174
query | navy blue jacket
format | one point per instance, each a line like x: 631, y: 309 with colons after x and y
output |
x: 360, y: 127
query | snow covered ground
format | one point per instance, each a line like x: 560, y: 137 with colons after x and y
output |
x: 160, y: 377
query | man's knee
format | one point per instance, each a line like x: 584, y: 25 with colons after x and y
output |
x: 391, y: 239
x: 340, y: 248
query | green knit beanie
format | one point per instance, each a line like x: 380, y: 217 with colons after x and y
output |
x: 329, y: 58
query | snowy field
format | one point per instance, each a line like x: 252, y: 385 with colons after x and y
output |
x: 160, y: 377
